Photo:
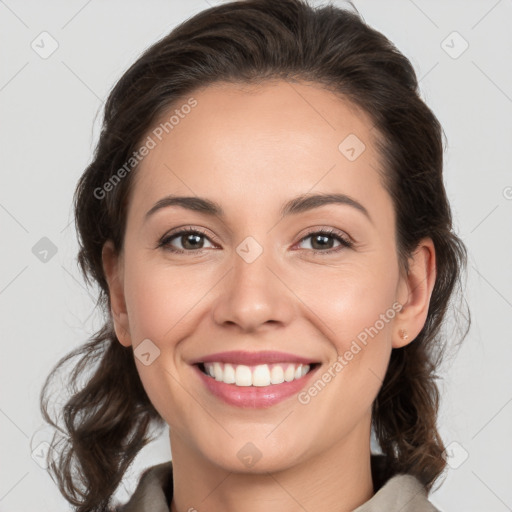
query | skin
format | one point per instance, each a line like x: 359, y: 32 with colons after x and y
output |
x: 250, y: 149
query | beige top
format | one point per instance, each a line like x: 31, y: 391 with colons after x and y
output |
x: 400, y: 493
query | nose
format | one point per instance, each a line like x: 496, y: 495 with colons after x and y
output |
x: 253, y: 296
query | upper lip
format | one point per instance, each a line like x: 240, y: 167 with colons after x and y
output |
x: 252, y: 358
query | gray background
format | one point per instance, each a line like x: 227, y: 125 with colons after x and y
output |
x: 50, y: 113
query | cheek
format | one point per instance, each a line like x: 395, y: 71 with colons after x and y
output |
x: 360, y: 322
x: 163, y: 304
x: 160, y: 299
x: 355, y: 303
x: 160, y: 304
x: 357, y: 309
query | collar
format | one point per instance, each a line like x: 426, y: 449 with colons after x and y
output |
x: 399, y: 492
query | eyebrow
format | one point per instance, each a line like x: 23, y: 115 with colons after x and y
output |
x: 294, y: 206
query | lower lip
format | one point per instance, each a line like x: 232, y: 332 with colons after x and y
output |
x: 254, y: 396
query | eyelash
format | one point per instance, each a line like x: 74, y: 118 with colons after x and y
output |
x: 345, y: 243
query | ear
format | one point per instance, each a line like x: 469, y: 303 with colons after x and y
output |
x: 415, y: 290
x: 113, y: 270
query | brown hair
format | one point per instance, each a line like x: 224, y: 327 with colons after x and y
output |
x: 109, y: 418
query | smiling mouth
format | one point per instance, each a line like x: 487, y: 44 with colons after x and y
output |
x: 258, y: 376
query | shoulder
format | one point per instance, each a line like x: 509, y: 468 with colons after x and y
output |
x: 153, y: 492
x: 401, y: 492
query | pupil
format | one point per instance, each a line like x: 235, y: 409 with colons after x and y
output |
x: 321, y: 237
x: 188, y: 238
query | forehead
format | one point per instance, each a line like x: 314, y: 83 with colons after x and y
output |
x: 259, y: 143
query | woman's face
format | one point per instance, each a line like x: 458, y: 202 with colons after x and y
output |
x: 259, y: 279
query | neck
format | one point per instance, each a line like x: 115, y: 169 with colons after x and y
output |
x: 338, y: 480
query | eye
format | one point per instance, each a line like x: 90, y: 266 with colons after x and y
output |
x: 190, y: 239
x: 322, y: 241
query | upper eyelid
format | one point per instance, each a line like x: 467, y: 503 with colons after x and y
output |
x: 330, y: 231
x: 185, y: 229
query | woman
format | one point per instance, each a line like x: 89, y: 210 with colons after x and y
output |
x: 266, y: 219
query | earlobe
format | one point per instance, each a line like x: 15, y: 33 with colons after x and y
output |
x: 113, y: 270
x: 418, y: 284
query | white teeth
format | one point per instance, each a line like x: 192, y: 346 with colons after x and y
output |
x: 243, y: 375
x: 229, y: 374
x: 260, y: 375
x: 277, y: 375
x: 289, y: 373
x: 217, y: 371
